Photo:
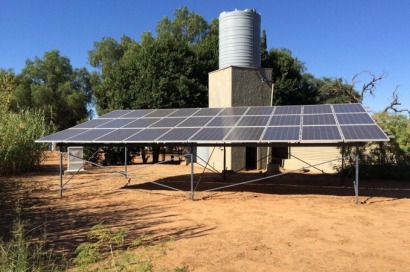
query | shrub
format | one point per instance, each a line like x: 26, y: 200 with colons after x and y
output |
x: 18, y: 132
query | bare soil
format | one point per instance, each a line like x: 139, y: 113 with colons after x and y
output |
x: 296, y: 222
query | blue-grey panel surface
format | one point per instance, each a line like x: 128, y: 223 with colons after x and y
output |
x: 354, y: 118
x: 348, y: 108
x: 253, y: 121
x: 285, y: 134
x: 116, y: 123
x: 137, y: 113
x: 321, y: 133
x: 195, y: 122
x: 89, y: 135
x: 147, y: 135
x: 207, y: 112
x: 168, y: 122
x: 259, y: 111
x: 233, y: 111
x: 115, y: 114
x: 288, y: 110
x: 93, y: 123
x: 245, y: 134
x: 160, y: 113
x: 183, y: 112
x: 209, y: 134
x: 178, y: 134
x: 223, y: 121
x: 142, y: 123
x: 318, y: 119
x: 62, y: 135
x: 285, y: 120
x: 317, y: 109
x: 118, y: 135
x: 363, y: 133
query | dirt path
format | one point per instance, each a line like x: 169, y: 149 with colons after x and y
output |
x: 292, y: 224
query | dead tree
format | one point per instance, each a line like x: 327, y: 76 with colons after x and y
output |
x: 393, y: 104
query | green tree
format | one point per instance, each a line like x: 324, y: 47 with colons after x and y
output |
x: 292, y: 86
x: 166, y: 71
x: 52, y: 84
x: 7, y: 86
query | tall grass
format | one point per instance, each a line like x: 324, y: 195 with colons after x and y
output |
x: 24, y: 253
x: 18, y: 132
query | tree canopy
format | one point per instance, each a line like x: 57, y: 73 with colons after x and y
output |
x: 163, y: 71
x: 52, y: 84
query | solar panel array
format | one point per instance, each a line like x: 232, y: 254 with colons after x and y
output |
x: 280, y: 124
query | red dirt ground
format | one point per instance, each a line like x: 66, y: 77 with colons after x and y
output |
x: 298, y: 222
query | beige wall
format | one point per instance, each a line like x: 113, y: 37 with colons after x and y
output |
x: 234, y: 87
x: 313, y: 155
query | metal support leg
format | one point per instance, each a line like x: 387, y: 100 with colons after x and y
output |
x: 125, y: 161
x: 224, y: 166
x: 61, y: 172
x: 356, y: 184
x: 192, y: 176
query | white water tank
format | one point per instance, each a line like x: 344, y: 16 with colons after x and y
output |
x: 240, y: 39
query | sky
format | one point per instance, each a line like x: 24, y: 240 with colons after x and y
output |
x: 337, y: 39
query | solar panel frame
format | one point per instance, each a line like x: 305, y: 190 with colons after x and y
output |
x: 285, y: 124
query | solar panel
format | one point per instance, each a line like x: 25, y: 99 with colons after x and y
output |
x: 224, y: 121
x: 147, y: 135
x: 93, y: 123
x: 285, y: 120
x: 363, y: 133
x: 207, y: 112
x: 195, y: 122
x: 211, y: 134
x: 279, y: 134
x: 183, y: 112
x: 318, y: 119
x: 89, y: 135
x: 61, y: 135
x: 160, y: 113
x: 137, y: 113
x: 168, y: 122
x: 348, y: 108
x: 116, y: 123
x: 178, y: 135
x: 320, y: 133
x: 118, y: 135
x: 354, y: 118
x: 245, y: 134
x: 233, y: 111
x: 285, y: 124
x: 142, y: 123
x: 259, y: 111
x: 288, y: 110
x: 115, y: 114
x: 316, y: 109
x: 253, y: 121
